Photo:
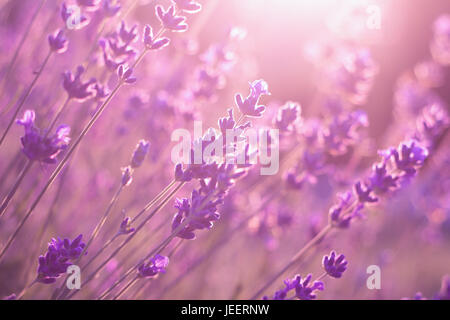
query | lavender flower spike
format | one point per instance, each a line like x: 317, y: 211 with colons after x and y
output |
x: 139, y: 153
x: 57, y: 259
x: 249, y: 106
x: 171, y: 21
x: 58, y: 43
x: 126, y: 74
x: 75, y: 88
x: 151, y: 43
x: 38, y: 146
x: 156, y: 265
x: 334, y: 267
x: 188, y: 6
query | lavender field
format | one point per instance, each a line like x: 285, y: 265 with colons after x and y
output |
x: 224, y: 149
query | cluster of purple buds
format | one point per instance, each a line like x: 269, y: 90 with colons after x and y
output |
x: 306, y: 289
x: 76, y: 88
x: 397, y: 166
x: 155, y: 266
x: 303, y: 290
x: 334, y: 265
x: 170, y: 20
x: 58, y: 43
x: 38, y: 145
x: 138, y: 157
x: 287, y: 117
x: 201, y: 212
x: 59, y: 255
x: 249, y: 106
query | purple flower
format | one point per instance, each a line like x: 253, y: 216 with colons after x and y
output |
x: 126, y: 74
x: 409, y: 156
x: 89, y: 5
x: 39, y: 146
x: 111, y: 8
x: 57, y: 258
x: 287, y: 116
x: 201, y: 211
x: 156, y: 265
x: 380, y: 181
x: 128, y: 36
x: 101, y: 92
x: 334, y: 266
x: 139, y: 153
x: 188, y: 6
x: 249, y: 106
x: 170, y: 20
x: 127, y: 176
x: 58, y: 43
x: 75, y: 88
x: 304, y: 290
x: 364, y: 193
x: 125, y: 226
x: 152, y: 43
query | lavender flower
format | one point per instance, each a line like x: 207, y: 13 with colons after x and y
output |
x: 189, y: 6
x: 58, y: 43
x: 127, y: 176
x: 111, y: 8
x: 334, y: 266
x: 126, y: 75
x: 249, y: 106
x: 75, y: 87
x: 170, y: 20
x: 150, y: 42
x: 304, y: 290
x: 139, y: 153
x: 38, y: 145
x: 155, y: 266
x: 59, y: 255
x: 287, y: 116
x: 125, y: 227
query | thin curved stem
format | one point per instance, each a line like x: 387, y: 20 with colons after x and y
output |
x: 22, y: 101
x: 294, y: 259
x: 59, y: 168
x: 130, y: 237
x: 16, y: 185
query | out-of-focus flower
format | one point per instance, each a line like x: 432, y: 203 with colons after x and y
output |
x: 152, y: 43
x: 444, y: 293
x: 77, y: 89
x: 249, y: 106
x: 429, y: 73
x: 89, y: 5
x: 287, y: 116
x: 334, y: 266
x: 128, y: 36
x: 155, y: 266
x: 440, y: 46
x: 127, y: 176
x: 58, y: 43
x: 189, y: 6
x: 39, y: 146
x: 111, y: 7
x: 139, y: 153
x: 170, y: 20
